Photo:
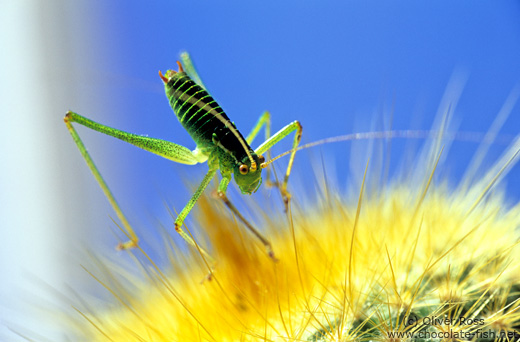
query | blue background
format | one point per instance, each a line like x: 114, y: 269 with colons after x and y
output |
x: 337, y: 67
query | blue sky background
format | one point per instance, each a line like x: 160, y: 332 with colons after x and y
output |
x: 337, y: 67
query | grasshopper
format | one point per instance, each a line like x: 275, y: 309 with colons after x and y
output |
x: 218, y: 142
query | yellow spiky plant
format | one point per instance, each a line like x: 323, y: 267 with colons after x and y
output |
x: 419, y: 257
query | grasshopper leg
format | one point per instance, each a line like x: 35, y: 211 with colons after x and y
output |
x: 185, y: 211
x: 166, y: 149
x: 129, y: 232
x: 190, y: 68
x: 277, y: 137
x: 222, y: 195
x: 264, y: 120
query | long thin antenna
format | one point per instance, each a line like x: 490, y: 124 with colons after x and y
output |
x: 411, y: 134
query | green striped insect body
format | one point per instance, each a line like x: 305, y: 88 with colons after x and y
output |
x: 217, y: 140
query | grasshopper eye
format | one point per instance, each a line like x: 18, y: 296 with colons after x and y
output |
x: 261, y: 159
x: 243, y: 169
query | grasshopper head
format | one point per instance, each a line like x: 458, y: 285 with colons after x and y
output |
x: 249, y: 180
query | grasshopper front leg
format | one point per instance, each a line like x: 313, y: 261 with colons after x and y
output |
x: 264, y: 121
x: 278, y: 136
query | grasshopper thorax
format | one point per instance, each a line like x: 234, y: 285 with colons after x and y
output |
x: 249, y: 179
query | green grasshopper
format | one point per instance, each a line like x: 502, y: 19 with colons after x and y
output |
x: 217, y: 139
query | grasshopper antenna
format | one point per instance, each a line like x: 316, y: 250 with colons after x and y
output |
x: 411, y: 134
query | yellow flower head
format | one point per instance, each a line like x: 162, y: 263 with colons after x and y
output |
x: 416, y: 257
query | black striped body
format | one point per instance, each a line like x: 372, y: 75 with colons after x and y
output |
x: 203, y: 118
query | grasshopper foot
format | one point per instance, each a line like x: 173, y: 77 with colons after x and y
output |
x: 286, y: 196
x: 126, y: 245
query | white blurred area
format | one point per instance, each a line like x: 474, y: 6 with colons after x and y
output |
x: 45, y: 212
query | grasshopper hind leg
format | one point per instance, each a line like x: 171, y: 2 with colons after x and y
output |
x: 127, y: 229
x: 166, y: 149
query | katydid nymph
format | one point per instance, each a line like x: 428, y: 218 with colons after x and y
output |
x: 217, y: 139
